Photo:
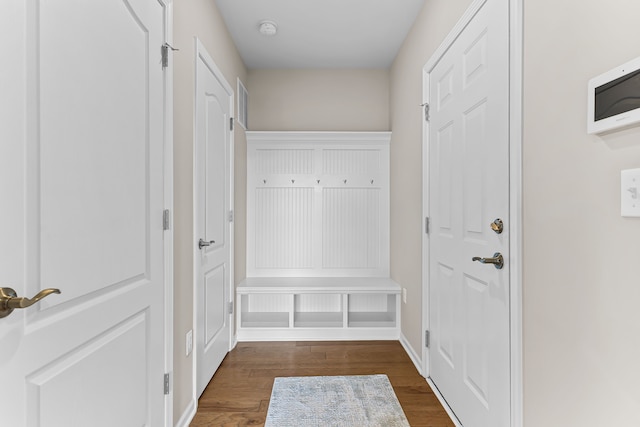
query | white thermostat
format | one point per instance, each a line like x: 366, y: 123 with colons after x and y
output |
x: 614, y: 98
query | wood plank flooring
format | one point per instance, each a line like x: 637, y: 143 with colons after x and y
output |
x: 238, y: 394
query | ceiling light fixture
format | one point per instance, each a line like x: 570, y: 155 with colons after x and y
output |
x: 268, y: 28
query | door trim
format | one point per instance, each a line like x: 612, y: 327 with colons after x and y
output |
x: 168, y: 204
x: 515, y: 198
x: 201, y: 53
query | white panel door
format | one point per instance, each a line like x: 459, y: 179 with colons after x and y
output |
x: 469, y: 189
x: 81, y: 185
x: 214, y: 99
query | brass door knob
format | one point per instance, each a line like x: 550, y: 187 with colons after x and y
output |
x: 9, y: 300
x: 497, y: 225
x: 497, y: 260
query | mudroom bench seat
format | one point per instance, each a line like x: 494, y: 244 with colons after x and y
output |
x: 318, y: 308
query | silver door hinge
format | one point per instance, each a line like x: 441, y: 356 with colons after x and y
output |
x: 167, y: 384
x: 231, y: 123
x: 231, y: 216
x: 426, y: 111
x: 426, y: 225
x: 166, y: 219
x: 230, y: 307
x: 165, y: 54
x: 426, y: 338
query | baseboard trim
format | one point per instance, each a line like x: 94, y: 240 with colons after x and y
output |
x: 444, y: 403
x: 418, y: 364
x: 188, y: 414
x: 417, y: 361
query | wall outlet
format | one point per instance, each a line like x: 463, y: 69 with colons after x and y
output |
x: 189, y: 342
x: 404, y: 295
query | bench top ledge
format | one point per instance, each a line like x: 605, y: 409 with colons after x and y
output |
x: 252, y: 285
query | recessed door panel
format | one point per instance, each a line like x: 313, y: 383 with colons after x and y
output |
x: 215, y: 313
x: 92, y: 144
x: 475, y: 185
x: 114, y: 358
x: 446, y: 313
x: 476, y: 368
x: 216, y: 174
x: 444, y: 152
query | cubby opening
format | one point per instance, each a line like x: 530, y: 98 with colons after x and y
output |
x: 318, y: 311
x: 265, y: 310
x: 372, y: 310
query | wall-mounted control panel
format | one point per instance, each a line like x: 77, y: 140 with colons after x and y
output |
x: 614, y: 98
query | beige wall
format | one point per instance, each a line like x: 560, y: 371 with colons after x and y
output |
x: 318, y: 100
x: 196, y: 18
x: 431, y: 27
x: 582, y: 260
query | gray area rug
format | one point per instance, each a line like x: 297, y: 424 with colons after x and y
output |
x: 345, y: 401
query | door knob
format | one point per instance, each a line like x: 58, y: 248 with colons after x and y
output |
x: 497, y: 226
x: 203, y: 243
x: 9, y: 300
x: 497, y: 260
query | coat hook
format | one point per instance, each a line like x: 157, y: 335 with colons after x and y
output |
x: 264, y: 180
x: 293, y: 181
x: 372, y: 181
x: 345, y: 181
x: 318, y: 181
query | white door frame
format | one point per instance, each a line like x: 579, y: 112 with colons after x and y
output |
x: 515, y: 199
x: 201, y: 52
x: 168, y: 205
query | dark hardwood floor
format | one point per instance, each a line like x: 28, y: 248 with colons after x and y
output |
x: 238, y: 394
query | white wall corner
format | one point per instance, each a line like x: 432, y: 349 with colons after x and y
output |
x: 188, y: 414
x: 413, y: 355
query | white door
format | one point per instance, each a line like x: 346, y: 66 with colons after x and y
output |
x: 214, y: 98
x: 81, y: 193
x: 469, y: 189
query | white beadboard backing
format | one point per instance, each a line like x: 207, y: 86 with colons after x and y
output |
x: 268, y: 303
x: 350, y: 229
x: 368, y: 302
x: 283, y: 161
x: 316, y: 303
x: 351, y: 162
x: 318, y: 204
x: 283, y: 231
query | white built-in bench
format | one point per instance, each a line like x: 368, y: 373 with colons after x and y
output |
x: 318, y: 238
x: 311, y: 308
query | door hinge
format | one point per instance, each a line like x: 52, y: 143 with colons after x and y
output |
x: 426, y: 225
x: 166, y: 219
x: 230, y: 307
x: 426, y: 111
x: 231, y: 216
x: 165, y: 54
x: 167, y: 384
x: 231, y: 124
x: 426, y: 338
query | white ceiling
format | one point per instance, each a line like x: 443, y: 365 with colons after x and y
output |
x: 320, y: 33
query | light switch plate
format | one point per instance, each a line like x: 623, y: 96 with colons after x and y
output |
x: 630, y: 193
